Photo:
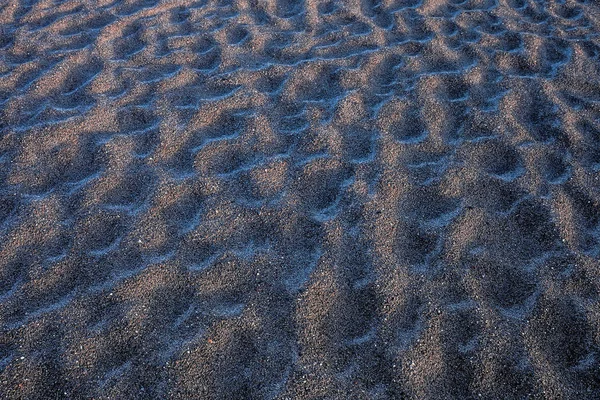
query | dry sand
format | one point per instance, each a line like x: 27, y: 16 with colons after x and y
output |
x: 277, y: 199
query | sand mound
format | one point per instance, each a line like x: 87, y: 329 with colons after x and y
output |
x: 282, y: 199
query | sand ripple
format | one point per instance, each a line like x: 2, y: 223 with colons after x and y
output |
x: 280, y: 199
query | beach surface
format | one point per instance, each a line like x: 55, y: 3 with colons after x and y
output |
x: 282, y: 199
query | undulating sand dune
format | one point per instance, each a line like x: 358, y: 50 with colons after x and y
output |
x: 279, y: 199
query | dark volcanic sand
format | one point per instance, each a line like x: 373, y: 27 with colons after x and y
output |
x: 277, y: 199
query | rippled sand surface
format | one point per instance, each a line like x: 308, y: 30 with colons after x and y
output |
x: 279, y: 199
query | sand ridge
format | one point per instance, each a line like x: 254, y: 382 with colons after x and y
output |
x: 283, y: 199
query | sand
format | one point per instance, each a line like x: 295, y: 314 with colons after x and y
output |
x: 278, y: 199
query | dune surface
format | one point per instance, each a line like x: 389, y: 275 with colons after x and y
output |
x: 299, y: 199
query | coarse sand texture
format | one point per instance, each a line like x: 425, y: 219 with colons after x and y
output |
x: 300, y: 199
